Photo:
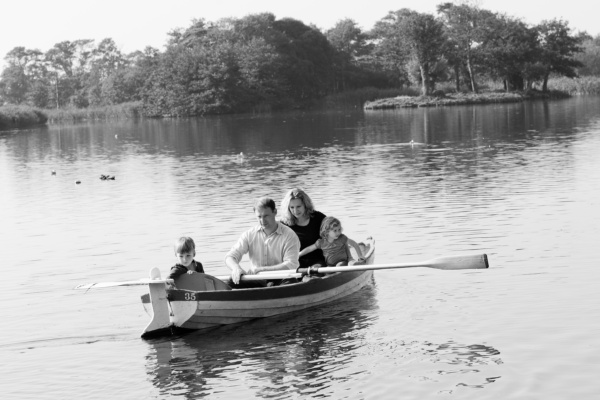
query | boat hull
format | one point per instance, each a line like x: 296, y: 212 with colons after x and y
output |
x: 218, y: 308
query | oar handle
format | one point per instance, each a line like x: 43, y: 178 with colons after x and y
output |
x: 262, y: 276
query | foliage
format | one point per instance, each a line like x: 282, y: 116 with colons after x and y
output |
x: 407, y: 35
x: 557, y: 50
x: 358, y: 97
x: 465, y: 26
x: 259, y: 63
x: 510, y: 50
x: 108, y: 112
x: 350, y: 45
x: 582, y: 85
x: 19, y: 116
x: 589, y: 57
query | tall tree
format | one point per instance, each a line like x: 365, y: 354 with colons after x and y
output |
x: 307, y: 58
x: 464, y: 24
x: 20, y: 74
x: 405, y: 33
x: 510, y: 51
x: 349, y: 42
x: 558, y: 49
x: 590, y: 56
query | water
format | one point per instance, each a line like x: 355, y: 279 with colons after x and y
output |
x: 520, y: 182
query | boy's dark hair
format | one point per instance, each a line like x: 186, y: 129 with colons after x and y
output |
x: 185, y: 244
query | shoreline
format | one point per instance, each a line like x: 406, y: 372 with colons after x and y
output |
x: 455, y: 99
x: 21, y: 117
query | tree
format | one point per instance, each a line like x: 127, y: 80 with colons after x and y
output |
x: 306, y: 59
x: 101, y: 87
x: 464, y: 25
x: 407, y: 34
x: 558, y: 49
x: 25, y: 67
x: 349, y: 42
x: 14, y: 84
x: 590, y: 56
x: 510, y: 51
x: 68, y: 66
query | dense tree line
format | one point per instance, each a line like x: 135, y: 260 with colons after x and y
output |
x: 261, y: 63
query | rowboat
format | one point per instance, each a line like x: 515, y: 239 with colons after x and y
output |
x: 201, y: 301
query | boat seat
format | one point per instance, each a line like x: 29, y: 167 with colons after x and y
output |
x: 198, y: 282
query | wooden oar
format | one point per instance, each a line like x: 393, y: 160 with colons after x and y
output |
x: 124, y: 283
x: 448, y: 263
x: 141, y: 282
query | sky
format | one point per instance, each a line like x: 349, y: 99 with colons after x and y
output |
x: 135, y: 24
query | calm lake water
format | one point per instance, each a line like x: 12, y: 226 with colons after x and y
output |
x: 520, y: 182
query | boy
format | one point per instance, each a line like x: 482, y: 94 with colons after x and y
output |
x: 185, y: 250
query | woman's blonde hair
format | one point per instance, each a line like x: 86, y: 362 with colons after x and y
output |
x: 296, y: 193
x: 328, y: 224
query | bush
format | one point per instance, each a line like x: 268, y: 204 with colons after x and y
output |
x: 581, y: 85
x: 118, y: 111
x: 19, y: 116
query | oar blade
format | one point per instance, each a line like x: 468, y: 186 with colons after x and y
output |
x: 450, y: 263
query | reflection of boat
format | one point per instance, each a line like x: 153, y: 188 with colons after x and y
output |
x: 200, y: 301
x: 294, y: 352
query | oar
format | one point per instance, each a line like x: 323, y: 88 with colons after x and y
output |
x: 124, y: 283
x: 141, y: 282
x: 448, y: 263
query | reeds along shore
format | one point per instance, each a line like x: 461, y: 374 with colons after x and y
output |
x: 21, y: 116
x: 12, y: 116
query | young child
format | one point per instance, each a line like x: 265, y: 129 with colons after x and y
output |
x: 185, y: 250
x: 334, y: 243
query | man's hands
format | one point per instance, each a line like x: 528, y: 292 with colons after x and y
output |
x: 236, y: 272
x: 254, y: 270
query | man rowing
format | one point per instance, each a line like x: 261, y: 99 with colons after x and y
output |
x: 270, y: 245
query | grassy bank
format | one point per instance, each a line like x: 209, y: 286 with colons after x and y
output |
x: 447, y: 100
x: 559, y: 88
x: 358, y: 97
x: 453, y: 99
x: 117, y: 111
x: 13, y: 117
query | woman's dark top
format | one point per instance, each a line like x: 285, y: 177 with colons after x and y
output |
x: 308, y: 235
x: 177, y: 270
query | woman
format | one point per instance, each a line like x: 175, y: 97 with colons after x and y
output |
x: 300, y: 215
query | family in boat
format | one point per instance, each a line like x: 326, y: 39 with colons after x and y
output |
x: 303, y: 238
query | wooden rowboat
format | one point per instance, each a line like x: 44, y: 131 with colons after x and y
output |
x: 201, y: 301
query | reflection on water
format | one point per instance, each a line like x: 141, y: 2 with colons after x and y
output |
x: 317, y: 353
x: 520, y: 182
x: 289, y: 354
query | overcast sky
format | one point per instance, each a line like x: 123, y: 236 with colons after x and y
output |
x: 135, y: 24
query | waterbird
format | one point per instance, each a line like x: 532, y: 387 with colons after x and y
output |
x: 53, y: 172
